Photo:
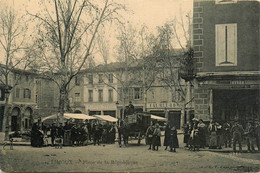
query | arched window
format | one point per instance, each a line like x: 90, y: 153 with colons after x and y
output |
x: 27, y: 93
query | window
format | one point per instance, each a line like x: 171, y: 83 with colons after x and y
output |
x: 110, y: 95
x: 17, y: 92
x: 90, y: 95
x: 100, y: 78
x: 27, y: 93
x: 131, y: 93
x: 36, y: 98
x: 77, y: 81
x: 137, y: 93
x: 126, y: 93
x: 26, y: 123
x: 77, y: 97
x: 110, y: 78
x: 90, y: 79
x: 100, y: 95
x: 226, y: 44
x: 225, y: 1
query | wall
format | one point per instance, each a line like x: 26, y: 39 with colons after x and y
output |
x: 207, y: 14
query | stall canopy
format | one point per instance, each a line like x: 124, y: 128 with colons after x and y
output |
x: 158, y: 118
x: 106, y: 118
x: 69, y: 116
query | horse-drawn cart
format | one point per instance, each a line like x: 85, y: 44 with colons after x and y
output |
x: 137, y: 125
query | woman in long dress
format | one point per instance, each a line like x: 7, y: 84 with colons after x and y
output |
x: 166, y: 136
x: 173, y: 139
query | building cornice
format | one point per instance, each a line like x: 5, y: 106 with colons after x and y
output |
x: 233, y: 75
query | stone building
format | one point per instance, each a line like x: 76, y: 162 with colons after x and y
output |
x: 226, y: 52
x: 22, y: 100
x: 31, y: 97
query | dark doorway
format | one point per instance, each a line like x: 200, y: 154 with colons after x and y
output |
x: 111, y: 113
x: 174, y: 118
x: 94, y: 113
x: 230, y: 105
x: 14, y: 124
x: 28, y: 118
x: 15, y: 119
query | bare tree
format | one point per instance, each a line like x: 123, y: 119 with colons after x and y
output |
x: 67, y: 34
x: 171, y: 62
x: 12, y: 44
x: 134, y: 67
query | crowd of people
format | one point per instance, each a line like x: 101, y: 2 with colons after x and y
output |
x: 153, y: 137
x: 75, y: 134
x: 197, y: 135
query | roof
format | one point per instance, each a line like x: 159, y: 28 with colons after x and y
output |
x: 106, y: 118
x: 216, y: 75
x: 158, y: 118
x: 69, y: 116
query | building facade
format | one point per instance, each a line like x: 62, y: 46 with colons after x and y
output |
x: 30, y: 97
x: 226, y: 54
x: 107, y: 92
x: 22, y: 100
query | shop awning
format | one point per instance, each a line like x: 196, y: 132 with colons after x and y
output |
x: 106, y: 118
x: 71, y: 115
x: 158, y: 118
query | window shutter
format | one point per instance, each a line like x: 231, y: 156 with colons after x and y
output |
x: 226, y: 44
x: 220, y: 44
x: 232, y: 43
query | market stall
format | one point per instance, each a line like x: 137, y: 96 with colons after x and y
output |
x: 106, y: 118
x: 158, y: 118
x: 69, y: 116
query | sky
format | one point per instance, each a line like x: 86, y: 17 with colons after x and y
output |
x: 152, y: 13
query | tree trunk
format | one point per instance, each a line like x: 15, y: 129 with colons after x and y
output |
x: 6, y: 119
x: 145, y: 100
x: 183, y: 114
x: 62, y: 100
x: 67, y: 107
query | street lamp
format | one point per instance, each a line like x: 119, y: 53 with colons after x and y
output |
x: 7, y: 94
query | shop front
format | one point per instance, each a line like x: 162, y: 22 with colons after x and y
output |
x: 236, y: 104
x: 101, y: 109
x: 170, y: 111
x: 228, y: 98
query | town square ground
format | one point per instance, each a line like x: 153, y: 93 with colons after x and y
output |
x: 134, y: 158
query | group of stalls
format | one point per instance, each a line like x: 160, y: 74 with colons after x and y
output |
x: 79, y: 120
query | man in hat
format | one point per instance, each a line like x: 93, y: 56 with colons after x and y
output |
x: 53, y: 133
x: 149, y: 135
x: 156, y: 137
x: 237, y: 131
x: 250, y: 137
x: 226, y: 134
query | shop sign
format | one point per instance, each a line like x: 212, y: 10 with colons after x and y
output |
x: 162, y: 105
x: 243, y: 84
x: 96, y: 106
